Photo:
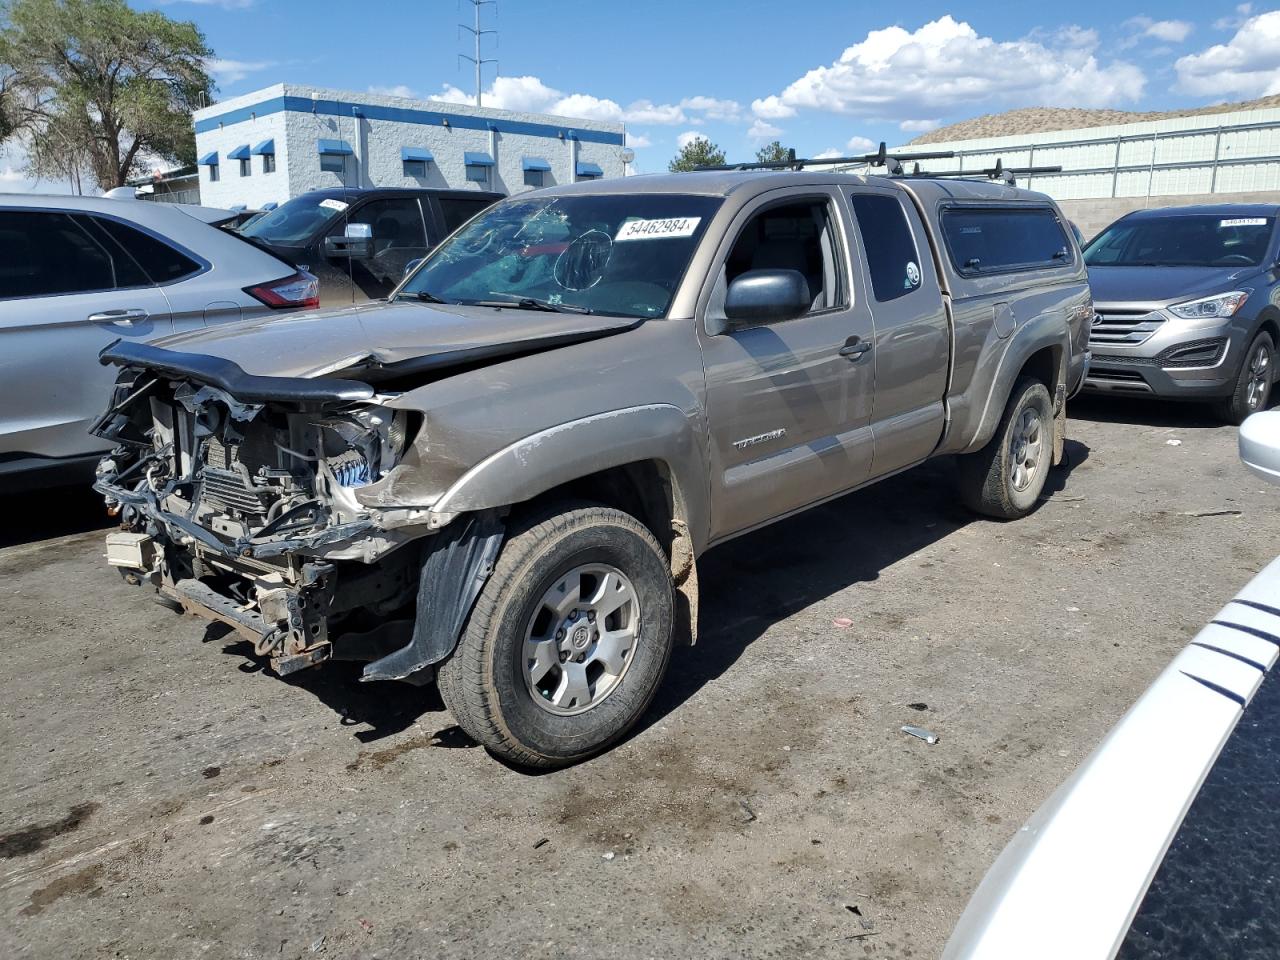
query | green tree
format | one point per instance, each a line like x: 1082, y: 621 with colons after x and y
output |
x: 698, y: 152
x: 95, y: 85
x: 772, y: 153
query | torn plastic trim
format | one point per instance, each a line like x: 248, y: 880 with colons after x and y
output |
x: 229, y: 376
x: 454, y: 572
x: 149, y: 504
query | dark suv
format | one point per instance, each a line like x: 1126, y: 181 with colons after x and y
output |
x: 1188, y: 302
x: 359, y: 242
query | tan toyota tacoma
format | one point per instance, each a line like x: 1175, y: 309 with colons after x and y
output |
x: 503, y: 476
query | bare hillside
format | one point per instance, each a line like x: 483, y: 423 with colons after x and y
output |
x: 1042, y: 119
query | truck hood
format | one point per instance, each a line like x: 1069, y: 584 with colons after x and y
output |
x: 369, y: 342
x: 1157, y: 286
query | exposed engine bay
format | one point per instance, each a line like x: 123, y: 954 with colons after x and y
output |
x: 245, y: 513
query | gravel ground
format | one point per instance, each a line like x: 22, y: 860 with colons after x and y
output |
x: 166, y: 798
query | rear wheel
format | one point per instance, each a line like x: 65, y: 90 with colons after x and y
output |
x: 1004, y: 479
x: 1253, y: 383
x: 567, y: 642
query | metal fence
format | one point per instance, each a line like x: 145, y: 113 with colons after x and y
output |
x: 1225, y: 158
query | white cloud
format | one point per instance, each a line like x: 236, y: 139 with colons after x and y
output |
x: 828, y: 154
x: 946, y: 64
x: 1247, y: 66
x: 638, y: 141
x: 1168, y: 31
x: 763, y: 130
x: 919, y: 126
x: 531, y: 95
x: 233, y: 71
x: 1243, y: 12
x: 713, y: 109
x: 399, y: 90
x: 686, y: 138
x: 860, y: 145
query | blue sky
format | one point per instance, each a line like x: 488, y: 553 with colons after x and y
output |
x: 820, y: 76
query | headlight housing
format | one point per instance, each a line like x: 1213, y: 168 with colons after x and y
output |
x: 1219, y: 305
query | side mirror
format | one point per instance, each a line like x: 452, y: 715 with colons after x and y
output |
x: 412, y: 265
x: 1260, y: 445
x: 356, y: 243
x: 765, y: 296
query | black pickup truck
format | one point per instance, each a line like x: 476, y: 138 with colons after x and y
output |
x: 359, y: 242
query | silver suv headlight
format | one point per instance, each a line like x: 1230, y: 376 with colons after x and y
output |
x: 1219, y: 305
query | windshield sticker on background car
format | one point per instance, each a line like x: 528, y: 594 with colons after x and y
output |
x: 913, y: 275
x: 1244, y: 222
x: 334, y: 205
x: 658, y: 229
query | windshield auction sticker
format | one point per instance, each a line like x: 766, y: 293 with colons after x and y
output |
x: 334, y: 204
x: 1244, y: 222
x: 658, y: 229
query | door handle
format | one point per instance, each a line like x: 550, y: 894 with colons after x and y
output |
x: 119, y: 318
x: 855, y: 347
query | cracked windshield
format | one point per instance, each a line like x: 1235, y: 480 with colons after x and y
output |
x: 621, y: 255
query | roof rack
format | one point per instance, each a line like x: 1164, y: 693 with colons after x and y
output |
x: 999, y: 172
x: 892, y: 162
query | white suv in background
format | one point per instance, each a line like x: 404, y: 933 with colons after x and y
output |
x: 78, y: 273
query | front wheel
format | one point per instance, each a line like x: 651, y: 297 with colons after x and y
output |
x: 567, y: 642
x: 1253, y: 382
x: 1004, y: 479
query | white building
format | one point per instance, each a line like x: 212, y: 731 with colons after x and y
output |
x: 262, y: 148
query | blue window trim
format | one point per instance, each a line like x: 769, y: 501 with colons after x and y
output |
x: 435, y: 118
x: 416, y: 155
x: 477, y: 158
x: 266, y: 146
x: 209, y: 159
x: 239, y: 153
x: 588, y: 169
x: 334, y: 148
x: 535, y: 163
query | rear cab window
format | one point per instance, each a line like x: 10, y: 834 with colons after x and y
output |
x: 455, y: 211
x: 892, y: 258
x: 990, y: 239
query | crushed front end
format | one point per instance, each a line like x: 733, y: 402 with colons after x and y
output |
x: 237, y: 502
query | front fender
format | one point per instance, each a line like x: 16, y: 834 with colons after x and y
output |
x: 563, y: 453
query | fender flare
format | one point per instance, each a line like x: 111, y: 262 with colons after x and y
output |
x: 557, y: 455
x: 1026, y: 341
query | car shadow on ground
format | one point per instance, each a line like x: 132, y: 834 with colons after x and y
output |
x: 1144, y: 411
x: 51, y: 512
x: 751, y: 583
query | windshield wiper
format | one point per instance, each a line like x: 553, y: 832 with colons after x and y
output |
x: 533, y: 303
x: 426, y: 296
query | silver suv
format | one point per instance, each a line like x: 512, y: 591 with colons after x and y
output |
x: 79, y: 273
x: 505, y: 475
x: 1188, y: 303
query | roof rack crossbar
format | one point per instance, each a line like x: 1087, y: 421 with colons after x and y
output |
x: 998, y: 172
x: 892, y: 162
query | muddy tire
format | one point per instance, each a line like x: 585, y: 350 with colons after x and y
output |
x: 567, y: 642
x: 1004, y: 479
x: 1253, y: 382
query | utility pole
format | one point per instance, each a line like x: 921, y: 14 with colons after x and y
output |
x: 476, y: 34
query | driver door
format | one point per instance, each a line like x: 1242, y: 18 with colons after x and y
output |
x: 399, y: 236
x: 788, y: 402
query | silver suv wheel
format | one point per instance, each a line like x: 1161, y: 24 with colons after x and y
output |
x: 581, y: 639
x: 1259, y: 376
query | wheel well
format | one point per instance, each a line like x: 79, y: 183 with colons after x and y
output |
x: 1270, y: 325
x: 643, y: 489
x: 1043, y: 366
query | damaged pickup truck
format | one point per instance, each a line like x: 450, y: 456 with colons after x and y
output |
x: 502, y: 477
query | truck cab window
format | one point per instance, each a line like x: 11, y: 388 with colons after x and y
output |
x: 892, y: 259
x: 796, y: 236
